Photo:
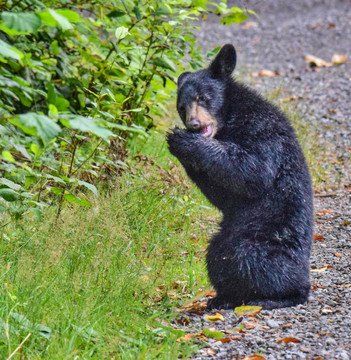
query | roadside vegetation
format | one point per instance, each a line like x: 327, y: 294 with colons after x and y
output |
x: 105, y: 283
x: 102, y: 234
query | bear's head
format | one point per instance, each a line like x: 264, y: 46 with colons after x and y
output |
x: 201, y: 93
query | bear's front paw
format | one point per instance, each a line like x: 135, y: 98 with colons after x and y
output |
x: 180, y: 141
x: 177, y: 134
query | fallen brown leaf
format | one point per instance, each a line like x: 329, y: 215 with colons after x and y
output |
x: 226, y: 339
x: 236, y: 337
x: 210, y: 293
x: 339, y: 59
x: 172, y: 294
x: 343, y: 286
x: 320, y: 270
x: 326, y: 211
x: 266, y: 72
x: 317, y: 286
x: 249, y: 324
x: 290, y: 98
x: 209, y: 351
x: 255, y: 357
x: 287, y: 340
x: 186, y: 337
x: 314, y: 61
x: 177, y: 284
x: 319, y: 237
x: 333, y: 111
x: 249, y: 24
x: 197, y: 308
x: 338, y: 254
x: 231, y: 331
x: 183, y: 321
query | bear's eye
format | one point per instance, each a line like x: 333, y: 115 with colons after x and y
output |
x: 203, y: 99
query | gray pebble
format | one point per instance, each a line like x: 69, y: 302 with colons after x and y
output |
x: 330, y: 341
x: 272, y: 323
x: 343, y: 355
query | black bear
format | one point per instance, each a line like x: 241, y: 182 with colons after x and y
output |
x: 243, y: 154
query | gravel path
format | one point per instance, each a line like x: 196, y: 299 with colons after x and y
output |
x: 285, y: 32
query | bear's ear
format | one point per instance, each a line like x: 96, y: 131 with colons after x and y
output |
x: 182, y: 78
x: 224, y: 63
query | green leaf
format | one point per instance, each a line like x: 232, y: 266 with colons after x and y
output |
x: 56, y: 191
x: 75, y: 199
x: 56, y: 178
x: 235, y: 18
x: 30, y: 180
x: 53, y: 112
x: 213, y: 334
x: 41, y: 125
x: 137, y: 13
x: 89, y: 186
x: 61, y: 20
x: 55, y: 47
x: 121, y: 32
x: 57, y: 99
x: 70, y: 15
x: 22, y: 23
x: 9, y: 194
x: 116, y: 13
x: 22, y: 150
x: 163, y: 62
x: 85, y: 124
x: 43, y: 330
x: 8, y: 51
x: 47, y: 18
x: 34, y: 148
x: 10, y: 184
x: 138, y: 130
x: 8, y: 156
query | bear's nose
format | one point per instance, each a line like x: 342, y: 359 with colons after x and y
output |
x: 194, y: 124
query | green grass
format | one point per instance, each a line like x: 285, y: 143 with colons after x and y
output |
x: 105, y: 282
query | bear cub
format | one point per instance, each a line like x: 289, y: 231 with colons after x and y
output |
x: 243, y: 154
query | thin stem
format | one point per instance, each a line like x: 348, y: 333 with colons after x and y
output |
x: 89, y: 157
x: 75, y: 144
x: 19, y: 346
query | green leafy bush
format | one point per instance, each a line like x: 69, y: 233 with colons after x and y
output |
x: 80, y: 80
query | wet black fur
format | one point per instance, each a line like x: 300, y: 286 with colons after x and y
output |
x: 254, y: 171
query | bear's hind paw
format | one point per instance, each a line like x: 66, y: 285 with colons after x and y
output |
x: 219, y: 303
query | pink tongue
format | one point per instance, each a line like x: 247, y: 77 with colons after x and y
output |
x: 206, y: 130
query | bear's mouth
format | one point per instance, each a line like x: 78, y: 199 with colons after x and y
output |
x: 207, y: 131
